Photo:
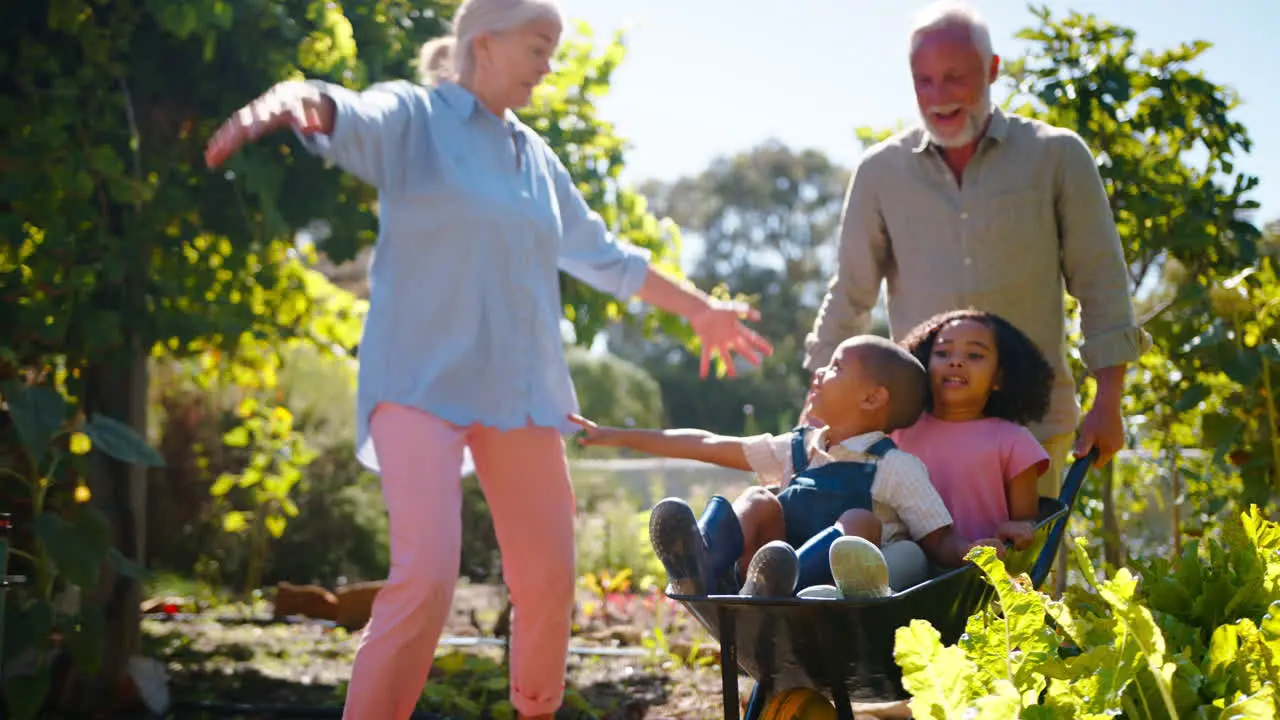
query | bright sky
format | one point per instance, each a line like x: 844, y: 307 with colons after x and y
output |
x: 704, y: 78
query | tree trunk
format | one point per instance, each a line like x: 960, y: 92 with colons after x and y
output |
x: 118, y: 389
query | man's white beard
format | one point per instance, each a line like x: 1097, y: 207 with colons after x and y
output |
x: 975, y: 119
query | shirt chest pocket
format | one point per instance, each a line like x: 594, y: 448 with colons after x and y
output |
x: 1019, y: 211
x: 1022, y: 229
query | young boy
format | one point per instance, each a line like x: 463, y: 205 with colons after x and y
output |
x: 852, y: 503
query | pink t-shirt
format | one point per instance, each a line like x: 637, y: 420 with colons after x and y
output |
x: 970, y: 463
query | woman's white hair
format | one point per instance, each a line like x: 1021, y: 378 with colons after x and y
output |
x: 452, y: 57
x: 954, y: 14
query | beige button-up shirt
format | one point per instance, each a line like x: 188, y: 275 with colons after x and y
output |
x: 1030, y: 218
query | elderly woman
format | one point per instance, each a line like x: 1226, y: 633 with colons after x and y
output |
x: 462, y: 346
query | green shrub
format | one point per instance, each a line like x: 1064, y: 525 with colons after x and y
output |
x: 1194, y: 638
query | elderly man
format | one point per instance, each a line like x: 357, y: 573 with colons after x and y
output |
x: 981, y: 209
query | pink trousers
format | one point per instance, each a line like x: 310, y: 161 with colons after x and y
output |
x: 525, y: 479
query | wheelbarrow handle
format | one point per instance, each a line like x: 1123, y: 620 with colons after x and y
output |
x: 1070, y: 491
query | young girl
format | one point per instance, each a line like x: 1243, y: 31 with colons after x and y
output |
x: 987, y: 380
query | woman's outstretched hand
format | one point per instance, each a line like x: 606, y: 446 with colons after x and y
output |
x: 718, y: 323
x: 721, y: 331
x: 288, y: 104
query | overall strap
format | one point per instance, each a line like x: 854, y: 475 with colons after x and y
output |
x: 799, y: 454
x: 881, y: 447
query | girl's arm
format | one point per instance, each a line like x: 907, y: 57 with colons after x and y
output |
x: 1025, y: 456
x: 1024, y: 508
x: 946, y: 548
x: 1024, y: 495
x: 729, y: 452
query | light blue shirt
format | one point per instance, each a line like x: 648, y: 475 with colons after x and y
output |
x: 477, y: 216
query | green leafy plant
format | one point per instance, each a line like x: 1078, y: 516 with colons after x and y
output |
x: 265, y: 486
x: 1199, y: 638
x: 1218, y: 605
x: 70, y: 538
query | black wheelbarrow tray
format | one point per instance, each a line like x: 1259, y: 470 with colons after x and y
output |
x: 844, y: 648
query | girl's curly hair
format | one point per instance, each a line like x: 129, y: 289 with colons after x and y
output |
x: 1026, y: 375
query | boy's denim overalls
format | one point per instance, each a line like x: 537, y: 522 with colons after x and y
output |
x: 817, y: 497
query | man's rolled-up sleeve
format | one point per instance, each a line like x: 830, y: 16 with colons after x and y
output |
x: 1093, y: 261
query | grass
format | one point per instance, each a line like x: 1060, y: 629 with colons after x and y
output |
x: 301, y: 665
x: 166, y: 584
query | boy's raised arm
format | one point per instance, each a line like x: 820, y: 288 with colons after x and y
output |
x: 729, y: 452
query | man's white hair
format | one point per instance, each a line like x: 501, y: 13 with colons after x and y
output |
x: 954, y: 14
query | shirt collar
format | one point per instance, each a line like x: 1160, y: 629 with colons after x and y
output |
x: 997, y: 130
x: 465, y: 104
x: 856, y: 444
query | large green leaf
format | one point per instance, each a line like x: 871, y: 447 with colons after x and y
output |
x: 79, y: 547
x: 85, y: 636
x: 1243, y: 366
x: 25, y: 694
x: 37, y: 412
x: 941, y: 680
x: 1220, y: 434
x: 28, y: 623
x: 125, y: 566
x: 121, y: 442
x: 1192, y: 397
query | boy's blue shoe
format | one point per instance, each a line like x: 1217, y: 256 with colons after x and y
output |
x: 722, y: 534
x: 673, y: 532
x: 699, y: 555
x: 815, y: 559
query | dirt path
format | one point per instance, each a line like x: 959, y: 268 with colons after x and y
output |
x: 307, y: 664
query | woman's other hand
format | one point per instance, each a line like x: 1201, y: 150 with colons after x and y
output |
x: 720, y: 328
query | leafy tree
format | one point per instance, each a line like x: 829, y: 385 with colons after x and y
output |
x: 1166, y: 139
x: 768, y: 220
x: 122, y: 249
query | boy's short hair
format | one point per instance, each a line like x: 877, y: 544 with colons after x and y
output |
x: 894, y: 368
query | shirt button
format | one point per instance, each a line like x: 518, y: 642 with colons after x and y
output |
x: 964, y: 216
x: 968, y: 261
